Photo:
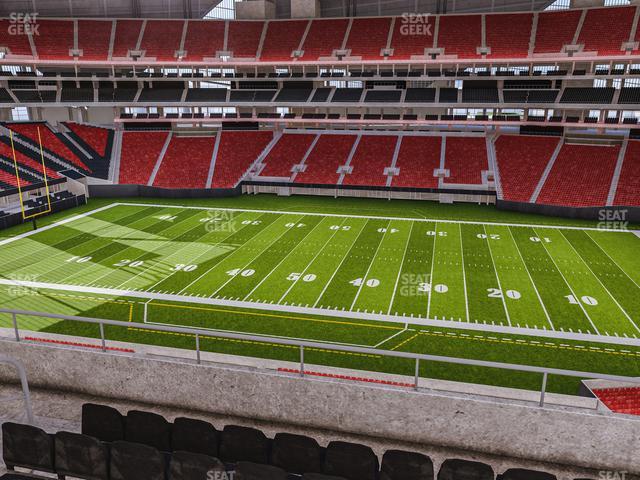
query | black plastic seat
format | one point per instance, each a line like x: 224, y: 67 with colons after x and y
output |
x: 102, y: 422
x: 351, y: 461
x: 400, y: 465
x: 194, y: 466
x: 465, y: 470
x: 81, y: 456
x: 244, y: 444
x: 255, y: 471
x: 196, y: 436
x: 148, y: 429
x: 296, y: 454
x: 133, y: 461
x: 524, y: 474
x: 28, y: 447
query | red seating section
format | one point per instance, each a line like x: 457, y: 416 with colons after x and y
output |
x: 95, y: 137
x: 368, y: 36
x: 581, y: 176
x: 54, y: 39
x: 25, y: 161
x: 509, y: 35
x: 329, y: 153
x: 93, y: 38
x: 11, y: 180
x: 555, y: 30
x: 204, y: 39
x: 466, y: 158
x: 628, y: 192
x: 620, y: 400
x: 282, y: 38
x: 418, y: 157
x: 244, y: 38
x: 236, y: 153
x: 50, y: 142
x: 289, y: 151
x: 126, y: 38
x: 186, y: 163
x: 411, y: 37
x: 139, y: 154
x: 606, y: 29
x: 324, y: 37
x: 521, y: 161
x: 17, y: 44
x: 162, y: 38
x: 373, y: 154
x: 460, y: 35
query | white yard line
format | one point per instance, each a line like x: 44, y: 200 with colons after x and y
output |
x: 568, y: 284
x: 141, y: 295
x: 610, y: 258
x: 364, y: 279
x: 433, y: 261
x: 600, y: 282
x: 495, y: 270
x: 406, y: 327
x: 404, y: 256
x: 286, y: 212
x: 544, y: 308
x: 464, y: 276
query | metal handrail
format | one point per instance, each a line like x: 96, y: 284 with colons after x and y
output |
x: 302, y: 344
x: 22, y: 373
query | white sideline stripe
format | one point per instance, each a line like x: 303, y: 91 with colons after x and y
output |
x: 376, y: 217
x: 326, y: 312
x: 495, y: 270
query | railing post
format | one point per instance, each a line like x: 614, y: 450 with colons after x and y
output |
x: 302, y: 360
x: 14, y: 317
x: 417, y: 374
x: 543, y: 389
x: 102, y: 339
x: 198, y: 348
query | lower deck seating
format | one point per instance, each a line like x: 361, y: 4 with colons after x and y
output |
x: 330, y: 152
x: 581, y: 176
x: 236, y: 153
x: 628, y: 191
x: 373, y: 154
x: 186, y: 163
x: 287, y: 152
x: 465, y: 158
x: 139, y: 154
x: 95, y: 137
x: 620, y: 400
x: 26, y: 162
x: 521, y: 161
x: 418, y: 157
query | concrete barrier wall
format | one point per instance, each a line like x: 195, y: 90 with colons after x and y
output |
x: 505, y: 428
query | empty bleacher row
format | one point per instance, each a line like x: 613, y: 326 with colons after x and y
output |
x: 145, y: 446
x: 604, y: 31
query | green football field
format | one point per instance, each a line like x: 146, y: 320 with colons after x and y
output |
x: 566, y: 296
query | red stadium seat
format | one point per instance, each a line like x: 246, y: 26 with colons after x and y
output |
x: 330, y: 152
x: 236, y: 153
x: 418, y: 157
x: 204, y: 38
x: 140, y: 151
x: 289, y: 151
x: 93, y: 38
x: 186, y: 163
x: 373, y: 154
x: 628, y: 191
x: 283, y: 37
x: 466, y: 158
x: 555, y: 30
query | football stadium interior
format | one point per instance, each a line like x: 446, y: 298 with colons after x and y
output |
x: 320, y: 239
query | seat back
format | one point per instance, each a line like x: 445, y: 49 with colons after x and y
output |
x: 254, y: 471
x: 399, y: 465
x: 456, y: 469
x: 194, y: 466
x: 148, y: 429
x: 194, y: 436
x: 244, y: 444
x: 296, y: 454
x: 102, y: 422
x: 81, y: 456
x: 524, y: 474
x: 351, y: 461
x: 27, y: 446
x: 133, y: 461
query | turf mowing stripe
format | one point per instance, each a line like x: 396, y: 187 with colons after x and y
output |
x: 610, y: 277
x: 326, y: 263
x: 484, y: 304
x: 344, y: 285
x: 447, y: 297
x: 386, y: 267
x: 294, y: 266
x: 411, y: 294
x: 518, y: 290
x: 502, y: 293
x: 240, y: 287
x: 402, y: 266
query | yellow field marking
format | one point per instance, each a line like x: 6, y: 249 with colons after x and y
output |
x: 406, y: 341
